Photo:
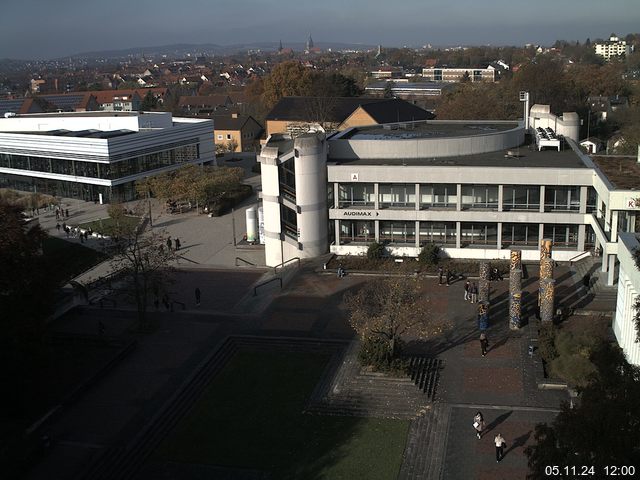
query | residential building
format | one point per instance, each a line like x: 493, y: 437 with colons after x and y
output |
x: 452, y: 75
x: 295, y: 115
x: 118, y: 100
x: 242, y: 132
x: 614, y: 47
x: 97, y: 155
x: 204, y: 105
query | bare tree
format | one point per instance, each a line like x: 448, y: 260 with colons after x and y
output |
x: 392, y: 309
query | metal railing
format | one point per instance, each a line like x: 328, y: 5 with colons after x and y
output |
x: 244, y: 261
x: 255, y: 289
x: 580, y: 256
x: 283, y: 264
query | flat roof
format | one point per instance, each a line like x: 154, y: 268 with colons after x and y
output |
x: 427, y: 129
x: 90, y: 133
x: 622, y: 172
x: 523, y: 157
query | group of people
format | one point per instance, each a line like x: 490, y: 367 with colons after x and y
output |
x: 173, y: 244
x: 479, y: 426
x: 445, y: 276
x: 470, y: 292
x: 341, y: 271
x: 62, y: 213
x: 82, y: 234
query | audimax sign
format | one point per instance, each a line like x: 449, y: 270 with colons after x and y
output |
x: 360, y: 213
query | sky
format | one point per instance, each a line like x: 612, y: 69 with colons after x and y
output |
x: 43, y: 29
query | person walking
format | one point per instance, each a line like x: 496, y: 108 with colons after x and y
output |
x: 478, y: 424
x: 484, y: 343
x: 177, y: 243
x: 500, y: 444
x: 467, y: 290
x: 57, y: 214
x: 169, y: 243
x: 66, y: 213
x: 57, y: 226
x: 474, y: 292
x: 197, y: 295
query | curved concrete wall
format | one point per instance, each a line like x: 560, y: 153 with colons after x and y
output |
x: 310, y: 156
x: 427, y: 147
x: 567, y: 125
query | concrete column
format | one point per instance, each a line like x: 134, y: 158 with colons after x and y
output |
x: 612, y: 270
x: 598, y: 206
x: 516, y: 260
x: 582, y: 235
x: 500, y: 197
x: 377, y: 229
x: 336, y: 195
x: 547, y: 300
x: 541, y: 201
x: 376, y: 200
x: 583, y: 199
x: 417, y: 234
x: 499, y: 236
x: 632, y: 222
x: 614, y: 225
x: 540, y: 233
x: 515, y: 310
x: 459, y: 197
x: 337, y: 231
x: 458, y: 235
x: 417, y: 196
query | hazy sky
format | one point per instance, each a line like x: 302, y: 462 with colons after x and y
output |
x: 53, y: 28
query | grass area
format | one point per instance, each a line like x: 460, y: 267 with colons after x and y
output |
x: 105, y: 226
x: 68, y: 260
x: 251, y: 417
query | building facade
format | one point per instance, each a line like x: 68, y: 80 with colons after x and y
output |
x: 475, y: 188
x: 97, y: 156
x: 452, y: 75
x: 614, y: 47
x: 628, y: 290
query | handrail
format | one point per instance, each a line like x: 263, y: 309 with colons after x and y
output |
x: 255, y: 289
x: 275, y: 269
x: 245, y: 261
x: 571, y: 260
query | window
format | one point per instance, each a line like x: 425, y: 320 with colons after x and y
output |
x: 440, y: 233
x: 442, y: 195
x: 592, y: 200
x: 563, y: 199
x: 397, y: 195
x: 480, y: 197
x: 289, y: 221
x: 228, y: 136
x: 521, y: 197
x: 437, y: 75
x: 398, y: 232
x: 485, y: 234
x: 219, y: 136
x: 356, y: 195
x: 356, y: 231
x: 287, y: 177
x: 520, y: 234
x: 562, y: 235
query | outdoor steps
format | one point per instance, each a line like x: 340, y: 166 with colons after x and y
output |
x: 426, y: 443
x: 599, y: 288
x: 124, y: 462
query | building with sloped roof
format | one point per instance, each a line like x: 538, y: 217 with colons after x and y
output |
x: 242, y: 132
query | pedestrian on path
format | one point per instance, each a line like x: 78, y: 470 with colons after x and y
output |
x: 474, y: 292
x: 57, y: 226
x: 484, y: 343
x: 500, y: 444
x: 440, y: 273
x: 66, y: 213
x: 57, y: 214
x: 197, y: 296
x: 478, y: 424
x: 177, y: 242
x: 467, y: 291
x: 169, y: 243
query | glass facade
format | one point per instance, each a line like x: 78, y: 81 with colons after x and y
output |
x: 357, y: 231
x: 440, y: 233
x: 562, y: 199
x: 562, y: 235
x: 63, y: 188
x: 523, y: 234
x: 480, y: 197
x: 521, y: 197
x: 356, y: 195
x: 107, y: 171
x: 397, y: 195
x: 441, y: 195
x: 477, y: 233
x: 398, y: 232
x: 287, y: 178
x: 289, y: 222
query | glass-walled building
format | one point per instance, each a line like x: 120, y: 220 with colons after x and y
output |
x: 95, y: 156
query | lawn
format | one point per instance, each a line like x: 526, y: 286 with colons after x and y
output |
x: 105, y: 226
x: 67, y: 260
x: 251, y: 417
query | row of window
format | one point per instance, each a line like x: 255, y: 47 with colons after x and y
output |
x: 108, y: 171
x: 445, y: 233
x: 520, y: 197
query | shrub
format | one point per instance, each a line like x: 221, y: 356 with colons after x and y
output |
x: 375, y: 352
x: 546, y: 342
x: 573, y: 360
x: 376, y: 251
x: 429, y: 255
x: 229, y: 200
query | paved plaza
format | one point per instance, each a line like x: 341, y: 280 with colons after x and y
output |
x: 107, y: 419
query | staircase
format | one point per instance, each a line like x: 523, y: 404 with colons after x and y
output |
x: 605, y: 296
